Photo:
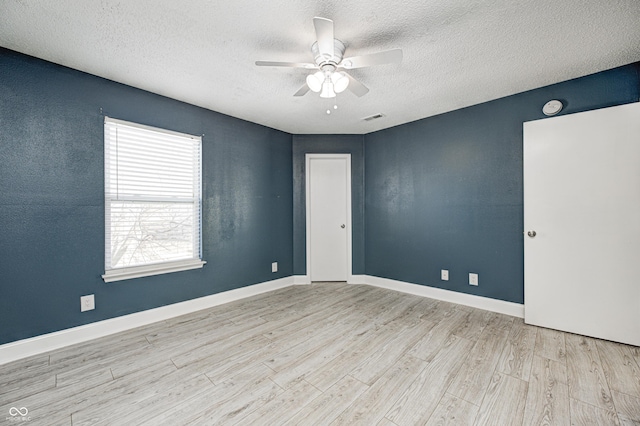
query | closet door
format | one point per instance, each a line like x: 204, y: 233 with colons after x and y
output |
x: 582, y: 223
x: 328, y: 216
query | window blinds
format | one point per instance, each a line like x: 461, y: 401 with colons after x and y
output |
x: 152, y: 195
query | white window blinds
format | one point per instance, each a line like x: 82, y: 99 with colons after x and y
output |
x: 152, y: 200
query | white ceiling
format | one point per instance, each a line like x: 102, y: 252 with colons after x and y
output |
x: 456, y: 52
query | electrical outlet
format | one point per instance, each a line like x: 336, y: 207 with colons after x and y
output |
x: 87, y: 303
x: 444, y: 274
x: 473, y: 279
x: 274, y: 267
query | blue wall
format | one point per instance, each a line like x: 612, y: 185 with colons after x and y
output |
x: 445, y: 192
x: 52, y: 202
x: 442, y: 192
x: 328, y: 144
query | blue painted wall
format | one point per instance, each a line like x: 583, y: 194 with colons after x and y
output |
x: 445, y: 192
x: 328, y: 144
x: 52, y: 206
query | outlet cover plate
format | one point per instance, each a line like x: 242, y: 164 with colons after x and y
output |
x: 444, y: 274
x: 473, y: 279
x: 274, y: 267
x: 87, y: 303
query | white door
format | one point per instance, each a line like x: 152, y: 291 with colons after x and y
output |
x: 328, y: 216
x: 582, y: 200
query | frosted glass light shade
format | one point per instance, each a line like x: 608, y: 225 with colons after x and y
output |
x: 340, y: 82
x: 314, y: 81
x: 327, y: 90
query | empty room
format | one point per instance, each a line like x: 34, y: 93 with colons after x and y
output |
x: 319, y: 213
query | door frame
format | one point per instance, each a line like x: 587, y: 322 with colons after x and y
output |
x: 308, y: 158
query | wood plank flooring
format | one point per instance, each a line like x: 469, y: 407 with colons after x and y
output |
x: 330, y: 354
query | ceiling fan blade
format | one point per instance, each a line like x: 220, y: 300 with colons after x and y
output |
x: 356, y: 87
x: 286, y: 64
x: 380, y: 58
x: 303, y: 91
x: 324, y: 35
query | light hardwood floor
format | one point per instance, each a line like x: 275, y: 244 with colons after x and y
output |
x: 330, y: 353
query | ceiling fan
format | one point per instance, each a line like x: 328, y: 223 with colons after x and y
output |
x: 331, y: 77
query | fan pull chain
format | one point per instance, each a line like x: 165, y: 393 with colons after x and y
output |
x: 335, y: 106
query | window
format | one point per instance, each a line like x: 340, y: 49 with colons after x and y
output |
x: 152, y: 201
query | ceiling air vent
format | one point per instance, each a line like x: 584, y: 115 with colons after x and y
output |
x: 373, y: 117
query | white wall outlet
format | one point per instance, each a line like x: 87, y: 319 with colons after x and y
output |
x: 473, y: 279
x: 274, y: 267
x: 444, y: 274
x: 87, y: 303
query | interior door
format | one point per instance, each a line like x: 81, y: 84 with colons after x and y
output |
x: 582, y: 223
x: 328, y: 216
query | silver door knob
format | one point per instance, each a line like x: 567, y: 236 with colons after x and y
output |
x: 342, y: 226
x: 531, y: 234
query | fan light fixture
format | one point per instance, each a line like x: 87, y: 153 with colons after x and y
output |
x: 334, y: 82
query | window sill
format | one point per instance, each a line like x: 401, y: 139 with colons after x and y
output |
x: 149, y: 270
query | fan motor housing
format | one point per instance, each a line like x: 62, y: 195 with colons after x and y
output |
x: 338, y: 52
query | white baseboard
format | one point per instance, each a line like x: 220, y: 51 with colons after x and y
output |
x: 494, y: 305
x: 51, y: 341
x: 357, y: 279
x: 301, y: 279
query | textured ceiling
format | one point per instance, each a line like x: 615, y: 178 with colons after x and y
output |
x: 456, y: 53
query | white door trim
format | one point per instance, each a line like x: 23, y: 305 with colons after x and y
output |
x: 308, y: 158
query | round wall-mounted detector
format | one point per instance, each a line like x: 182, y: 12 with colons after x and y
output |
x: 552, y: 107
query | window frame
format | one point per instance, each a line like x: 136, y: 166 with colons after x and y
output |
x: 152, y: 268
